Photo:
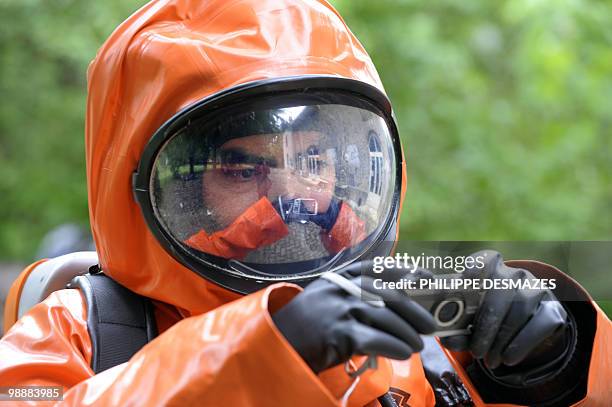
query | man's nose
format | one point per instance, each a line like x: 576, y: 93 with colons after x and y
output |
x: 284, y: 184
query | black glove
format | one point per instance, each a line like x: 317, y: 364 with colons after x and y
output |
x: 327, y: 326
x: 510, y: 324
x: 444, y: 380
x: 295, y: 210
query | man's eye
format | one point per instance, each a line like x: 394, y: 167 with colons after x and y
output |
x: 247, y: 173
x: 239, y: 174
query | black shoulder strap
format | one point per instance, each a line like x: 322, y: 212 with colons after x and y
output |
x: 119, y: 321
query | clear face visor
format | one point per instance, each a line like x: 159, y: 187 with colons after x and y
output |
x: 279, y: 192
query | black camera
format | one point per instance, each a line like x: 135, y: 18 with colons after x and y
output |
x: 453, y: 301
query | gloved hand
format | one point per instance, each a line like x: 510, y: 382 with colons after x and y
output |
x: 441, y: 375
x: 327, y: 326
x: 295, y: 210
x: 510, y: 324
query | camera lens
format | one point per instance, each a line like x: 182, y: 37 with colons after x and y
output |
x: 448, y: 312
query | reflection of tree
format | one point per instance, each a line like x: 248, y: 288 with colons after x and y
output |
x: 183, y: 153
x: 197, y: 147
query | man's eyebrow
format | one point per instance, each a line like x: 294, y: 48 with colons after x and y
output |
x: 239, y: 155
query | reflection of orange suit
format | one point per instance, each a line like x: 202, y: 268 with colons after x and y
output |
x: 215, y: 347
x: 260, y: 225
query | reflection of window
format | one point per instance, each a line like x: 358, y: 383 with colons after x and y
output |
x: 313, y: 160
x: 376, y: 163
x: 299, y: 160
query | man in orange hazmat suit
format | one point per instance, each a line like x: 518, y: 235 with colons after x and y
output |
x: 235, y: 148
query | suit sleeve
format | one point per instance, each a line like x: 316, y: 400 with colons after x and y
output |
x: 260, y: 225
x: 233, y: 355
x: 348, y: 231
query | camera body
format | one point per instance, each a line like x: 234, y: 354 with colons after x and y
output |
x: 451, y: 302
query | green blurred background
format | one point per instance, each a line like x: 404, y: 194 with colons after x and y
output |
x: 505, y: 111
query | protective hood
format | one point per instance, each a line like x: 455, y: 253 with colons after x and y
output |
x: 169, y: 55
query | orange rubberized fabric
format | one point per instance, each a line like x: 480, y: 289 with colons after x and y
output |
x: 260, y: 225
x: 212, y: 360
x: 348, y: 231
x: 203, y: 360
x: 49, y: 346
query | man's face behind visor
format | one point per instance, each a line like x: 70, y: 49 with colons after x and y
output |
x: 277, y: 192
x: 272, y: 166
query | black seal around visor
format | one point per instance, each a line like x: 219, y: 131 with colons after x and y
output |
x: 257, y: 99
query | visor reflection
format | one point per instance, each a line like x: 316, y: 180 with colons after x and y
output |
x: 278, y: 186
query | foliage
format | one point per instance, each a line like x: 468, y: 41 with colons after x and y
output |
x: 45, y: 47
x: 505, y: 113
x: 504, y: 108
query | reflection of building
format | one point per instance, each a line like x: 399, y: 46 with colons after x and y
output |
x: 301, y: 153
x: 353, y: 142
x: 347, y: 148
x: 313, y: 160
x: 376, y: 163
x: 377, y: 170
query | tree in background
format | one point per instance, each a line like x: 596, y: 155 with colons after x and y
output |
x: 505, y: 111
